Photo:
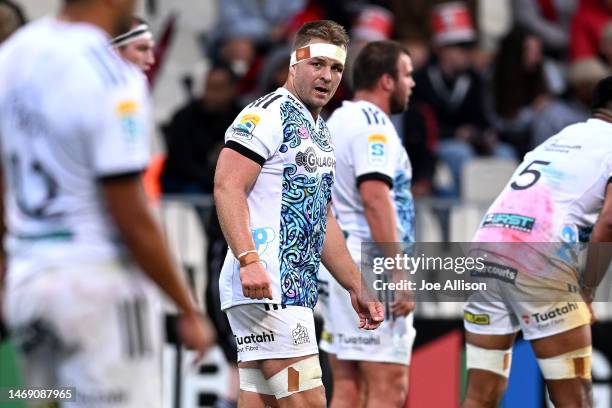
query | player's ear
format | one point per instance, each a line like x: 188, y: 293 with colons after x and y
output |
x: 386, y: 82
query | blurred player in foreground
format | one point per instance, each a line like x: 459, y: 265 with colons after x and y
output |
x: 82, y: 244
x: 272, y: 190
x: 372, y: 203
x: 531, y: 234
x: 137, y: 45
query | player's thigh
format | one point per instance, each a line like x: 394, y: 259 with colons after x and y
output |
x: 567, y: 355
x: 384, y: 378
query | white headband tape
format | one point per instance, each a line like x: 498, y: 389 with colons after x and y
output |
x: 318, y: 50
x: 139, y: 32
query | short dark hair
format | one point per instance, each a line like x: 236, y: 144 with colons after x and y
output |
x: 326, y: 30
x: 374, y: 60
x: 602, y: 94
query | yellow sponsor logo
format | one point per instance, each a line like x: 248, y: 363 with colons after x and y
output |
x: 377, y: 138
x: 480, y: 319
x: 247, y: 123
x: 127, y: 107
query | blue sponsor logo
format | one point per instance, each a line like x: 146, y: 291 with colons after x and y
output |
x: 262, y: 237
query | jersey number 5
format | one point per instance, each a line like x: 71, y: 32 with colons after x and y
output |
x: 533, y: 172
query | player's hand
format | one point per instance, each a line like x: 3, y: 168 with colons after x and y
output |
x: 196, y: 333
x: 255, y: 281
x: 588, y: 295
x: 371, y: 312
x: 402, y: 307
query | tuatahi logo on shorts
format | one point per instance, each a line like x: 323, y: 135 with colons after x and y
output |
x: 553, y: 314
x: 255, y: 338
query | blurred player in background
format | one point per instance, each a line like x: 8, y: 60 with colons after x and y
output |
x: 272, y: 190
x: 137, y: 45
x: 74, y: 127
x: 559, y: 195
x: 372, y: 203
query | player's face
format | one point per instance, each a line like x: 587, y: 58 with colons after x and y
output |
x: 403, y: 85
x: 315, y: 80
x: 139, y: 52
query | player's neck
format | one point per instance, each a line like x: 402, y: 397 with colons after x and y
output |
x: 88, y: 13
x: 603, y: 114
x: 313, y: 111
x: 377, y: 98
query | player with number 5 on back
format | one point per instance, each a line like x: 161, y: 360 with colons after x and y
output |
x: 532, y: 236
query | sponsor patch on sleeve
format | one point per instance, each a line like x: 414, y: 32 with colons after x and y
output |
x: 127, y: 110
x: 377, y: 150
x: 246, y: 125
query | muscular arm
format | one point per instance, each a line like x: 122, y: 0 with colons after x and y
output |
x: 234, y: 178
x: 379, y: 213
x: 127, y: 204
x: 128, y: 207
x: 600, y: 254
x: 336, y: 257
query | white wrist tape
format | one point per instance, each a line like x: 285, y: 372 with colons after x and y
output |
x: 575, y: 364
x: 318, y: 50
x: 497, y: 361
x: 301, y: 376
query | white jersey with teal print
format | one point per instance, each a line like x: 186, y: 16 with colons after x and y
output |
x: 72, y: 113
x: 368, y: 147
x: 288, y: 203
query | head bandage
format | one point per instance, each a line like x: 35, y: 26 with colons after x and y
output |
x: 140, y: 32
x: 576, y: 364
x: 496, y: 361
x: 318, y: 50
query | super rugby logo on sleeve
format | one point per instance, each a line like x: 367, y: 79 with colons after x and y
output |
x: 245, y: 126
x: 377, y: 150
x: 127, y: 111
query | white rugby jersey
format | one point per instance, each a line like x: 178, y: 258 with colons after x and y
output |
x: 288, y: 203
x: 368, y: 147
x: 72, y: 112
x: 554, y: 196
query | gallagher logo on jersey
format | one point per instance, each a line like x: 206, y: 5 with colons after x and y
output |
x: 245, y: 126
x: 377, y: 150
x: 127, y: 111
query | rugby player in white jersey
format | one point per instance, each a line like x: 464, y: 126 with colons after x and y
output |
x: 137, y: 45
x: 83, y: 248
x: 272, y: 190
x: 372, y: 202
x: 558, y: 196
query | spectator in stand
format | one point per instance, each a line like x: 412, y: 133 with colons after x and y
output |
x: 587, y: 28
x: 549, y: 19
x: 246, y: 29
x: 11, y: 18
x: 454, y: 92
x: 525, y: 112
